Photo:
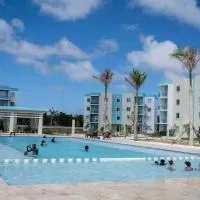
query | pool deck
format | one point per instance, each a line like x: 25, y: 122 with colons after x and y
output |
x: 138, y: 190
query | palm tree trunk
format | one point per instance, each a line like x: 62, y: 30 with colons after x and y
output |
x: 136, y: 116
x: 51, y: 121
x: 191, y: 112
x: 105, y: 123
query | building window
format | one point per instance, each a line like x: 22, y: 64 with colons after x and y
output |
x: 118, y: 118
x: 128, y: 99
x: 177, y: 115
x: 118, y: 109
x: 149, y: 100
x: 128, y: 117
x: 177, y: 102
x: 199, y: 114
x: 178, y: 88
x: 128, y: 109
x: 88, y: 100
x: 149, y: 109
x: 88, y: 108
x: 118, y: 100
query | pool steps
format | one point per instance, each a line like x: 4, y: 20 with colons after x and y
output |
x: 89, y: 160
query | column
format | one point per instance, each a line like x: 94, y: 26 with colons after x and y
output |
x: 11, y: 124
x: 40, y: 125
x: 73, y: 126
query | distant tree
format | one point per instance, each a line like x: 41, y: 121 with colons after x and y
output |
x: 53, y: 113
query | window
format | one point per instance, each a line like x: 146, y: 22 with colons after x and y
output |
x: 128, y: 117
x: 118, y: 109
x: 128, y: 99
x: 177, y: 115
x: 177, y: 102
x: 118, y: 118
x: 149, y: 109
x: 128, y: 109
x: 199, y: 114
x: 88, y: 108
x: 178, y: 88
x: 118, y: 100
x: 88, y: 100
x: 149, y: 100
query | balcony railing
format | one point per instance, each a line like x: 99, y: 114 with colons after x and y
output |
x: 163, y: 107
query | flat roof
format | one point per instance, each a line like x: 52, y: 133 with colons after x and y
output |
x: 5, y: 87
x: 165, y: 82
x: 16, y: 108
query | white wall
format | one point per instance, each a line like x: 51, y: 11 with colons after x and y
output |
x: 125, y: 104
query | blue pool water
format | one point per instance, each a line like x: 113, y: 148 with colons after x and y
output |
x: 19, y: 174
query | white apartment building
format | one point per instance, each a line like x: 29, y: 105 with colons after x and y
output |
x: 174, y: 104
x: 120, y: 111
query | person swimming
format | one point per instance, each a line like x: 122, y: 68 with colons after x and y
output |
x: 188, y: 166
x: 171, y: 165
x: 162, y: 162
x: 53, y: 140
x: 44, y: 136
x: 86, y: 148
x: 43, y: 143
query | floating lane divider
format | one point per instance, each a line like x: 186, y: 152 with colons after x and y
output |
x: 91, y: 160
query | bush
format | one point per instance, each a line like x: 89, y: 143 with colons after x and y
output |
x: 159, y: 134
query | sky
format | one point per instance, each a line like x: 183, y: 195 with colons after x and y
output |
x: 50, y: 49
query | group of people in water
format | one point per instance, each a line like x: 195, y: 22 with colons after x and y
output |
x: 171, y: 165
x: 34, y: 150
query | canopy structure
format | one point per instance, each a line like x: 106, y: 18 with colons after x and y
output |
x: 9, y: 116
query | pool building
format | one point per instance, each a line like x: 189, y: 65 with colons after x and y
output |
x: 120, y: 109
x: 18, y: 119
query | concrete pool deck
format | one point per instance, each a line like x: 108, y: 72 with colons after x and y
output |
x: 139, y: 190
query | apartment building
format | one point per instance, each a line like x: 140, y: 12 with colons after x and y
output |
x: 7, y: 96
x: 120, y: 111
x: 174, y: 105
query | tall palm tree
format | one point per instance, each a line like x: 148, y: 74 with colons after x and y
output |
x: 189, y: 57
x: 105, y: 78
x: 52, y: 113
x: 136, y: 79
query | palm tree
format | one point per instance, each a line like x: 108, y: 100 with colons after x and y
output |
x: 189, y: 57
x: 105, y: 78
x: 136, y: 79
x: 53, y: 113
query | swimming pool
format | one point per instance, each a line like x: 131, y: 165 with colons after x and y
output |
x: 49, y: 173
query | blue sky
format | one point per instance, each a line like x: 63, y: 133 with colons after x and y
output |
x: 51, y: 49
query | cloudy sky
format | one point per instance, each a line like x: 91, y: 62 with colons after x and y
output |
x: 50, y: 49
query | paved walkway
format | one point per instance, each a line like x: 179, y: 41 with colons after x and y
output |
x: 148, y: 190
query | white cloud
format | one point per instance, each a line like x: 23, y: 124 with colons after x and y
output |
x: 186, y: 11
x: 131, y: 27
x: 18, y: 24
x: 37, y: 56
x: 78, y: 71
x: 107, y: 46
x: 68, y: 9
x: 155, y: 55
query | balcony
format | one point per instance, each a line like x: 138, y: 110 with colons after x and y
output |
x: 94, y: 118
x: 162, y: 107
x: 94, y: 100
x: 94, y: 109
x: 163, y: 121
x: 163, y: 94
